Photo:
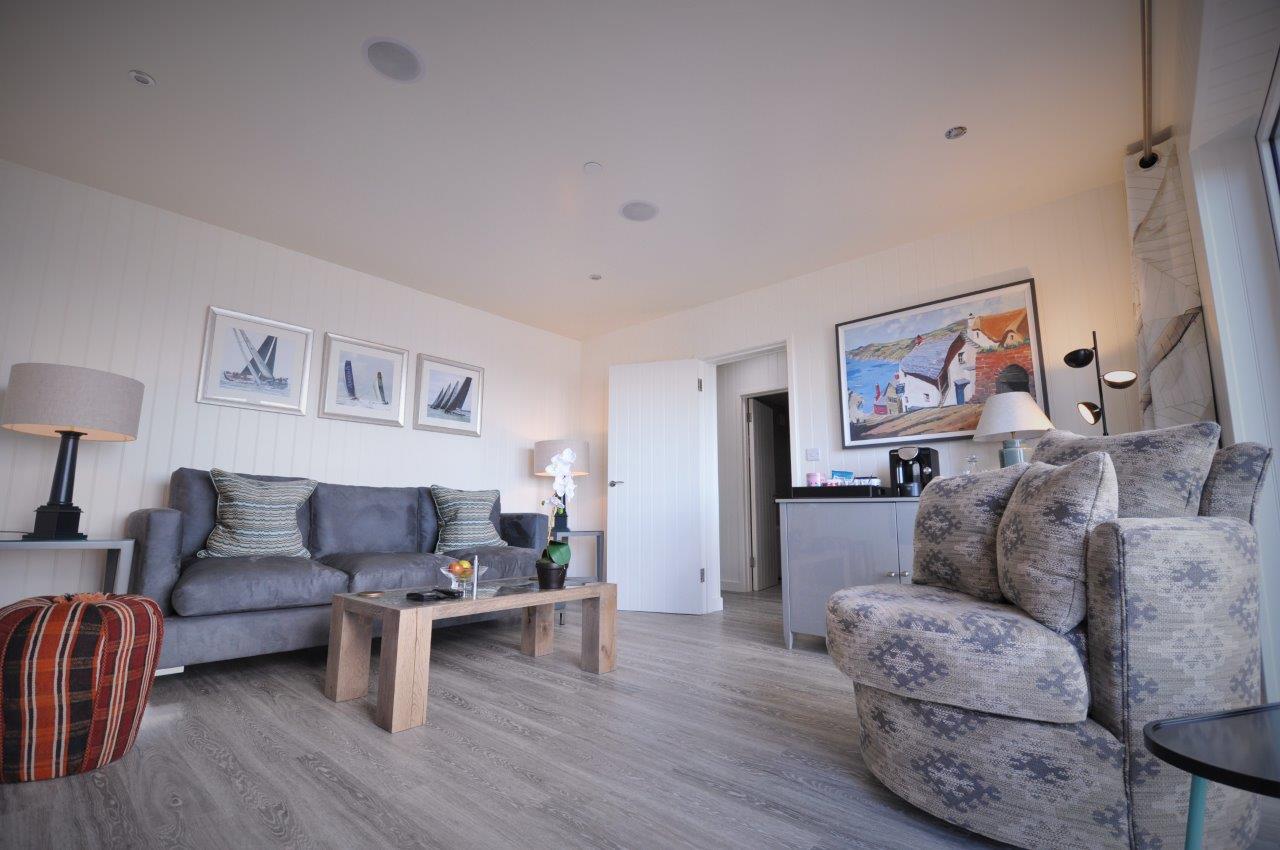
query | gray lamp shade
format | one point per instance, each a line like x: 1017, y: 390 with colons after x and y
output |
x: 1011, y: 416
x: 544, y: 450
x: 45, y: 398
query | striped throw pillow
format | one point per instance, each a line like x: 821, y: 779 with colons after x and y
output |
x: 257, y: 517
x: 466, y: 518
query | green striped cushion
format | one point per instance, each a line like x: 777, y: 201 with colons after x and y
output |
x: 466, y: 518
x: 257, y: 517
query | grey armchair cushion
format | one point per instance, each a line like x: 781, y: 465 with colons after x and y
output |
x: 387, y: 571
x: 257, y: 518
x: 191, y: 491
x: 227, y: 585
x: 156, y: 559
x: 955, y: 531
x: 1235, y: 480
x: 1044, y: 532
x: 347, y: 519
x: 1160, y: 473
x: 466, y: 517
x: 502, y: 561
x: 941, y: 645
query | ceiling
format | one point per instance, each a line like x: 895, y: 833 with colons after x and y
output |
x: 775, y: 138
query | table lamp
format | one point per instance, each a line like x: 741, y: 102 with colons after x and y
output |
x: 73, y: 403
x: 544, y: 451
x: 1011, y: 417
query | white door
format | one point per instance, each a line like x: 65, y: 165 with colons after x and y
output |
x: 663, y: 514
x: 762, y: 490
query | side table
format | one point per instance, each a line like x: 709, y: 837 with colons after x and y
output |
x: 601, y: 572
x: 119, y: 566
x: 1239, y: 748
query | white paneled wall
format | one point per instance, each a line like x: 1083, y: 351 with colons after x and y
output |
x: 1076, y: 249
x: 93, y: 279
x: 750, y: 376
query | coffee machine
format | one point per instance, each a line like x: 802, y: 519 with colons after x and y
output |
x: 910, y: 468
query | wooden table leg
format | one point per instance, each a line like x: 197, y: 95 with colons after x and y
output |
x: 403, y: 670
x: 537, y: 635
x: 347, y: 672
x: 599, y: 628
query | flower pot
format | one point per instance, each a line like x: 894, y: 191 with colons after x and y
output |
x: 550, y: 575
x: 561, y: 521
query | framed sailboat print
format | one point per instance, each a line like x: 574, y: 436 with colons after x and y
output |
x: 256, y: 363
x: 450, y: 396
x: 363, y: 381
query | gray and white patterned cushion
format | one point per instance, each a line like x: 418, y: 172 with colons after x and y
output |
x: 466, y: 519
x: 942, y: 645
x: 1041, y: 544
x: 1235, y: 480
x: 1160, y: 473
x: 1036, y: 785
x: 256, y: 517
x: 955, y: 531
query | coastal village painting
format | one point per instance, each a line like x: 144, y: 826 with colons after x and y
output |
x: 924, y: 372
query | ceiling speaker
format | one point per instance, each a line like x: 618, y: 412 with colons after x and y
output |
x: 638, y: 211
x: 393, y: 60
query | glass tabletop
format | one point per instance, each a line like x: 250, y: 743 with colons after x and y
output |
x: 485, y: 590
x: 1238, y: 748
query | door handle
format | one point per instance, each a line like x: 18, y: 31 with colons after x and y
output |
x: 616, y: 483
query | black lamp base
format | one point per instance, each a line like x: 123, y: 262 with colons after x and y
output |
x: 57, y: 522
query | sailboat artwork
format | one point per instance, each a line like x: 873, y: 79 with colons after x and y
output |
x: 254, y: 363
x: 259, y: 371
x: 449, y: 396
x: 363, y: 381
x: 452, y: 400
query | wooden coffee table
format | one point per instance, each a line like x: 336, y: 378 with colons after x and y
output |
x: 406, y: 638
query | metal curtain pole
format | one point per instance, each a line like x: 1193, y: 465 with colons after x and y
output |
x: 1148, y: 158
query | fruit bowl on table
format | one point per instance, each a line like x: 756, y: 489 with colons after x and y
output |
x: 462, y: 574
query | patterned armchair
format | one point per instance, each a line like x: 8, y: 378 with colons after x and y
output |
x: 974, y: 711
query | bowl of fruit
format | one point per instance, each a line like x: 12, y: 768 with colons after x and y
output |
x: 462, y: 574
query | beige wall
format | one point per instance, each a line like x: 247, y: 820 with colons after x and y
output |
x: 93, y: 279
x: 1076, y: 248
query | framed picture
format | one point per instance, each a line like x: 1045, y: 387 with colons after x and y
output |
x: 450, y: 396
x: 363, y: 381
x: 923, y: 373
x: 252, y: 362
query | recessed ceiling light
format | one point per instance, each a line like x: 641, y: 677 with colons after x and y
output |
x: 393, y: 59
x: 955, y: 132
x: 142, y: 78
x: 592, y: 167
x: 638, y: 210
x: 595, y: 277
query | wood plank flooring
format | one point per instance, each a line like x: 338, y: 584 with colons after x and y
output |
x: 708, y: 734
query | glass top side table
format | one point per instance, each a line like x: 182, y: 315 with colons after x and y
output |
x: 1239, y: 748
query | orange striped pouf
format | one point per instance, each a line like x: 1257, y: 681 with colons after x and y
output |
x: 75, y: 678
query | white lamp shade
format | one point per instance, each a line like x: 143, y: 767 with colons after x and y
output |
x: 1011, y: 416
x: 544, y: 450
x: 45, y: 398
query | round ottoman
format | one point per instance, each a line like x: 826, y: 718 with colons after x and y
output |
x: 75, y: 676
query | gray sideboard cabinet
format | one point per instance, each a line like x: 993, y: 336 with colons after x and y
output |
x: 829, y: 544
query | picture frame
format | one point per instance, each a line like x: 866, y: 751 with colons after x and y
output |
x: 254, y: 363
x: 449, y: 396
x: 363, y: 381
x: 922, y: 373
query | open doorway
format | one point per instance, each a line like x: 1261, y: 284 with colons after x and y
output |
x: 767, y: 471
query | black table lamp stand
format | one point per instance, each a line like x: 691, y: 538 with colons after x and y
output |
x: 60, y: 519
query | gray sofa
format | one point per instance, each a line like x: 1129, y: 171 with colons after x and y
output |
x: 361, y: 538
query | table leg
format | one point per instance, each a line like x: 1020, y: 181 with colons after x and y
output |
x: 1195, y: 813
x: 536, y: 637
x: 347, y: 671
x: 602, y: 574
x: 599, y: 627
x: 403, y: 670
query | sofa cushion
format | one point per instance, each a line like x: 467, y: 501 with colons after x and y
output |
x: 1235, y: 480
x: 940, y: 645
x: 390, y: 570
x: 257, y: 518
x: 346, y: 518
x: 466, y: 518
x: 1044, y: 534
x: 502, y: 561
x: 191, y: 492
x: 1160, y: 473
x: 256, y: 583
x: 955, y: 531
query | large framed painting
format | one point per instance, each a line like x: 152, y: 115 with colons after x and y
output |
x: 450, y: 396
x: 363, y: 381
x: 256, y: 363
x: 923, y: 373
